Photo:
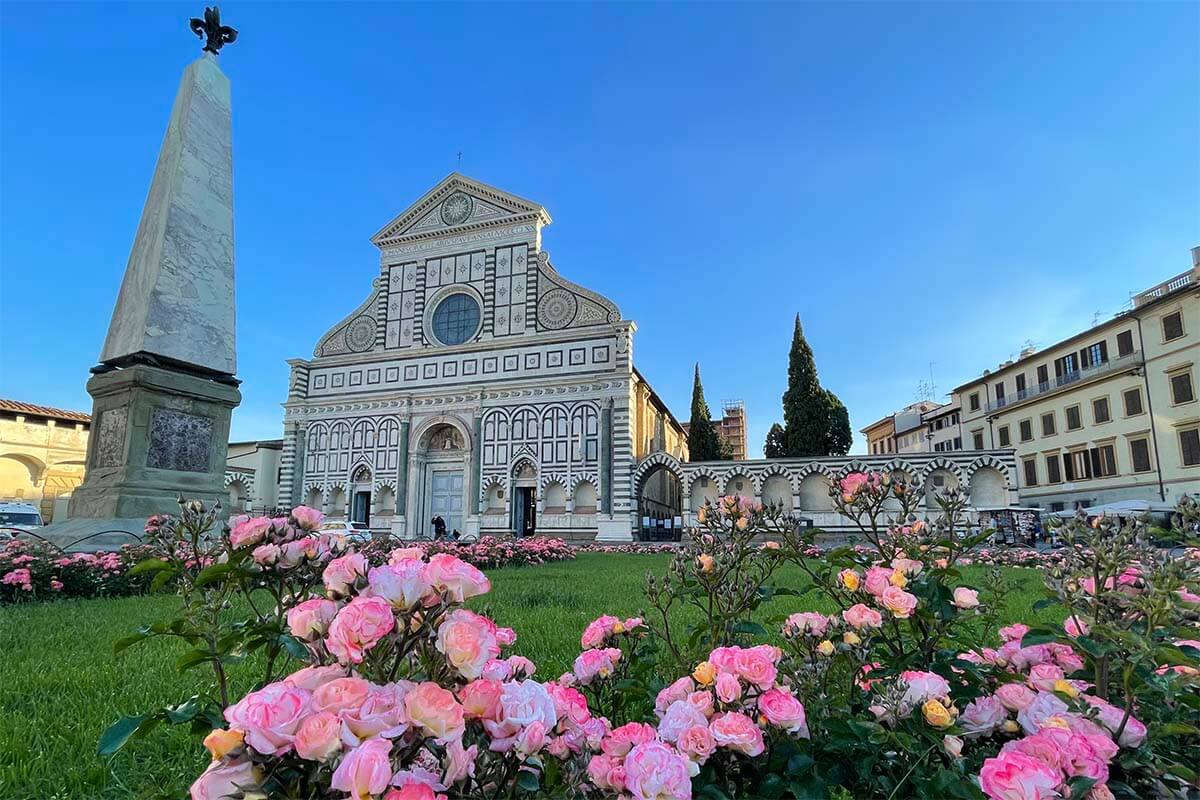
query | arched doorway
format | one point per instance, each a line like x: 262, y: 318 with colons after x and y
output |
x: 524, y: 496
x: 360, y: 496
x: 660, y: 504
x: 440, y: 466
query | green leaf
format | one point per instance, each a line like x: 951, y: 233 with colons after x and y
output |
x: 528, y: 781
x: 750, y: 627
x: 1045, y: 602
x: 129, y: 641
x: 1080, y: 785
x: 117, y: 734
x: 1039, y: 636
x: 191, y: 658
x: 184, y: 712
x: 1175, y: 729
x: 149, y: 565
x: 294, y: 647
x: 215, y: 573
x: 161, y: 579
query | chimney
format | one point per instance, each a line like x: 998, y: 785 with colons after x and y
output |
x: 1196, y: 258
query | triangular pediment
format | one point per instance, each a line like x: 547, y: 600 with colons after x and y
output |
x: 455, y: 204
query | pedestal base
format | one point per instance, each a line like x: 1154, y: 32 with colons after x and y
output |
x: 157, y: 434
x: 616, y: 529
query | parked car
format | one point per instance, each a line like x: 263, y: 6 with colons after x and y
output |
x: 353, y: 531
x: 17, y: 517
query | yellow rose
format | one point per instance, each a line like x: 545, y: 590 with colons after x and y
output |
x: 742, y: 523
x: 825, y: 648
x: 702, y: 514
x: 1066, y: 688
x: 1009, y: 726
x: 771, y: 545
x: 618, y: 627
x: 1056, y: 722
x: 705, y: 562
x: 704, y: 673
x: 850, y: 579
x: 851, y: 638
x: 220, y: 742
x: 898, y: 579
x: 937, y: 714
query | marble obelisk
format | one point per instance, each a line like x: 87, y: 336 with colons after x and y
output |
x: 165, y: 388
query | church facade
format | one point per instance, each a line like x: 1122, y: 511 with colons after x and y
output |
x: 477, y: 384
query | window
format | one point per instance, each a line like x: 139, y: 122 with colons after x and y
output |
x: 1139, y: 454
x: 977, y: 439
x: 1094, y: 355
x: 1172, y: 325
x: 1189, y: 447
x: 1124, y: 343
x: 456, y: 319
x: 1104, y: 461
x: 1181, y: 388
x: 1043, y: 375
x: 1100, y: 410
x: 974, y: 401
x: 1133, y: 401
x: 1074, y: 422
x: 1000, y: 394
x: 1030, y: 471
x: 1004, y: 439
x: 1057, y: 506
x: 1048, y: 428
x: 1066, y: 367
x: 1077, y: 466
x: 958, y: 443
x: 1021, y: 384
x: 1053, y: 469
x: 1026, y: 430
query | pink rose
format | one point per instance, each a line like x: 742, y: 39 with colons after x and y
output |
x: 697, y: 743
x: 1014, y: 633
x: 623, y: 739
x: 923, y: 686
x: 342, y: 573
x: 358, y: 627
x: 522, y: 703
x: 569, y: 704
x: 458, y: 579
x: 678, y: 690
x: 414, y: 791
x: 592, y: 664
x: 607, y: 772
x: 728, y: 687
x: 654, y: 771
x: 597, y: 631
x: 404, y: 583
x: 310, y: 619
x: 223, y: 781
x: 311, y: 677
x: 405, y: 553
x: 308, y: 519
x: 467, y: 642
x: 340, y: 694
x: 1043, y: 677
x: 898, y: 601
x: 877, y: 579
x: 531, y: 739
x: 380, y: 714
x: 783, y: 710
x: 1016, y: 776
x: 983, y: 715
x: 807, y: 623
x: 270, y: 716
x: 966, y: 598
x: 1014, y: 696
x: 1110, y: 717
x: 435, y: 711
x: 737, y: 732
x: 460, y: 762
x: 319, y: 736
x: 265, y: 554
x: 366, y: 770
x: 757, y: 664
x: 1075, y: 627
x: 249, y: 531
x: 679, y: 717
x: 481, y: 699
x: 1034, y: 715
x: 859, y: 617
x: 852, y: 484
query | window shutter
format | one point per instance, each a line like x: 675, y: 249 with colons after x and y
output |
x: 1068, y: 467
x: 1103, y: 351
x: 1094, y: 459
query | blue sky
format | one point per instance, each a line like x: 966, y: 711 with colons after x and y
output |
x: 922, y: 183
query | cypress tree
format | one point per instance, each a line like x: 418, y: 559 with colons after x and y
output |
x: 805, y: 407
x: 703, y: 442
x: 838, y: 436
x: 776, y: 444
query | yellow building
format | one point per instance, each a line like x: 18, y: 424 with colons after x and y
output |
x: 881, y: 436
x: 42, y: 453
x: 1109, y: 414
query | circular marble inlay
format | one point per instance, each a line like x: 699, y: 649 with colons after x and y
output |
x: 557, y: 309
x: 360, y: 336
x: 456, y: 209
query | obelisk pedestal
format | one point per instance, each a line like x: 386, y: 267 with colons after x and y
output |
x: 165, y: 388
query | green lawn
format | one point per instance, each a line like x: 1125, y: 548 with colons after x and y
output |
x: 60, y: 683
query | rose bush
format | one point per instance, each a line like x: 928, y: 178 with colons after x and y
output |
x: 909, y: 688
x: 487, y: 552
x: 35, y: 570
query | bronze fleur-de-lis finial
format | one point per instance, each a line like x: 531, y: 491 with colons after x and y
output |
x: 218, y: 35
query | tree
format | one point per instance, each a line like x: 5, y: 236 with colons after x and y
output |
x: 703, y: 442
x: 805, y: 409
x: 838, y: 436
x: 776, y: 444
